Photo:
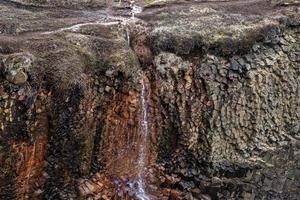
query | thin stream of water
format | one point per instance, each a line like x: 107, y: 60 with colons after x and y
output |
x: 143, y: 147
x: 135, y: 9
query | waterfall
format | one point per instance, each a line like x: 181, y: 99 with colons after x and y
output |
x: 144, y: 125
x: 143, y: 147
x: 127, y: 148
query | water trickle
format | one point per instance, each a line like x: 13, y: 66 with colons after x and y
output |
x: 127, y: 151
x: 135, y: 9
x: 144, y: 124
x: 143, y: 147
x: 127, y: 34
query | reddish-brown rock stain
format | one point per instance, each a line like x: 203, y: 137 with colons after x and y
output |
x: 30, y: 165
x: 123, y: 133
x: 30, y: 160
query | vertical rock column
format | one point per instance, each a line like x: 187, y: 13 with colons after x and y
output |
x: 23, y: 129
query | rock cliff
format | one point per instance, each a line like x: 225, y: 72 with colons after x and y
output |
x: 222, y: 91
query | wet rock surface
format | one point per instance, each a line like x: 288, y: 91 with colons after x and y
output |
x: 223, y: 102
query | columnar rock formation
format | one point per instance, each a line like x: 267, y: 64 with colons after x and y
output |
x: 223, y: 99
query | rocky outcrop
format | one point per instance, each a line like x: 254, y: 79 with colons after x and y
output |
x: 223, y: 102
x: 248, y: 120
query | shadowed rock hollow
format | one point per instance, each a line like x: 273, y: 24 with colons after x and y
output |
x: 188, y: 100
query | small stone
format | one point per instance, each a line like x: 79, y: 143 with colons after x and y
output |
x: 107, y: 89
x: 269, y: 62
x: 17, y: 78
x: 38, y: 110
x: 45, y: 175
x: 241, y: 61
x: 247, y: 67
x: 194, y: 172
x: 109, y: 73
x: 223, y: 72
x: 255, y: 47
x: 234, y: 65
x: 215, y: 180
x: 251, y: 75
x: 205, y: 197
x: 21, y: 98
x: 39, y: 191
x: 5, y: 96
x: 196, y: 191
x: 232, y: 76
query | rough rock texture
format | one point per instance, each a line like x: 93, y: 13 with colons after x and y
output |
x: 62, y: 3
x: 224, y: 100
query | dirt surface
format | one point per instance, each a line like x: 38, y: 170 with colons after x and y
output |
x: 29, y: 18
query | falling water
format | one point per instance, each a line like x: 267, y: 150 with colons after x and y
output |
x: 143, y: 147
x: 144, y: 124
x: 135, y: 9
x: 127, y: 34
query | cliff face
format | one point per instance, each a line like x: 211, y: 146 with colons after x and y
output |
x: 221, y: 91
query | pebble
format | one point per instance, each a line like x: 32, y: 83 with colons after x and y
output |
x: 38, y: 110
x: 205, y: 197
x: 17, y: 78
x: 5, y: 96
x: 234, y: 65
x: 109, y: 73
x: 107, y: 89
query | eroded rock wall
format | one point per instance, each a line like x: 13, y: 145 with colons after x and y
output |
x: 52, y: 114
x: 223, y: 107
x: 241, y: 118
